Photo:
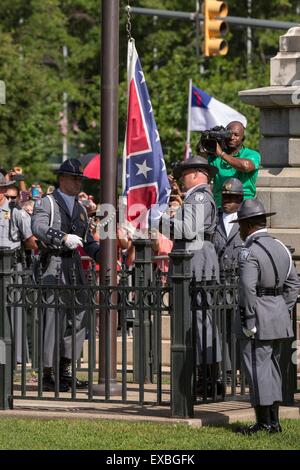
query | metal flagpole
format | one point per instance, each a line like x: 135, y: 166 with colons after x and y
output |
x: 188, y: 130
x: 65, y: 110
x: 109, y: 146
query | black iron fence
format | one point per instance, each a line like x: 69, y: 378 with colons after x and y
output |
x: 204, y: 356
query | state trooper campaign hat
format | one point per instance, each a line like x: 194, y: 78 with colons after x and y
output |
x: 4, y: 183
x: 196, y: 163
x: 251, y: 208
x: 71, y: 167
x: 232, y: 186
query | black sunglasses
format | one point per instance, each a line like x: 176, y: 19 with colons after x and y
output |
x: 13, y: 198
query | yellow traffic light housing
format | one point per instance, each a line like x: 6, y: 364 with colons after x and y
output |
x: 214, y: 29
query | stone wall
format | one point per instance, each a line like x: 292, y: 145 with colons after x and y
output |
x: 278, y: 184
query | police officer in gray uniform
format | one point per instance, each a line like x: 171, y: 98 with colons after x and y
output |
x: 15, y: 233
x: 228, y: 244
x: 227, y: 240
x: 60, y: 223
x: 192, y: 229
x: 268, y: 290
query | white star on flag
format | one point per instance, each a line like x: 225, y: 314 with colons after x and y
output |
x: 143, y: 77
x: 163, y: 164
x: 143, y: 169
x: 157, y: 136
x: 151, y: 109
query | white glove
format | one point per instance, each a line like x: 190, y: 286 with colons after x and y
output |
x: 73, y: 241
x: 249, y: 333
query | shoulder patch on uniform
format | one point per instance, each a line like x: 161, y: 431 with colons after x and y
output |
x: 200, y: 197
x: 244, y: 254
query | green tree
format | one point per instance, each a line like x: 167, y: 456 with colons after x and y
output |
x: 32, y: 37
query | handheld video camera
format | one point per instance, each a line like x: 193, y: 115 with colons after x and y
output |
x: 210, y: 138
x: 18, y: 177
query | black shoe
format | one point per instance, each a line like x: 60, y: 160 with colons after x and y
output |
x: 65, y: 375
x: 276, y: 427
x: 254, y: 428
x: 263, y: 422
x: 49, y: 385
x: 80, y: 384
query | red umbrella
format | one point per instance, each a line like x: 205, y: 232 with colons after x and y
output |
x: 91, y: 165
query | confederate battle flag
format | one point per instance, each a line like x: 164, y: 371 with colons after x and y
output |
x: 145, y: 181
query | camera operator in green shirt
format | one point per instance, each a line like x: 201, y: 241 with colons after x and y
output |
x: 236, y: 161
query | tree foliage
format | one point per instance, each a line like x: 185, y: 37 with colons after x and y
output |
x: 32, y: 37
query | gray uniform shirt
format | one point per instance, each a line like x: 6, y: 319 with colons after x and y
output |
x: 63, y: 223
x: 270, y: 314
x: 15, y: 226
x: 191, y: 227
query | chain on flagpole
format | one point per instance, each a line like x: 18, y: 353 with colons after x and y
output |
x: 128, y: 23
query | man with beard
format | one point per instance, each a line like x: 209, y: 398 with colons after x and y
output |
x: 236, y: 161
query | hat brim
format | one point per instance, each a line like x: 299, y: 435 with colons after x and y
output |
x: 67, y: 173
x: 211, y: 170
x: 266, y: 214
x: 239, y: 193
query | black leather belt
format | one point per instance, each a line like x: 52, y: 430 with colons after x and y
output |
x: 272, y: 291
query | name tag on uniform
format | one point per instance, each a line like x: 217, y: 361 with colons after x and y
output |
x: 6, y: 215
x: 82, y: 217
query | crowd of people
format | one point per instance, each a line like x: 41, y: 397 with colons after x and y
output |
x: 62, y: 226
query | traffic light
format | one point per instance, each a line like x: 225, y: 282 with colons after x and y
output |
x: 214, y: 29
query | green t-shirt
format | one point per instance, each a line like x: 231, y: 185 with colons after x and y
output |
x: 227, y: 171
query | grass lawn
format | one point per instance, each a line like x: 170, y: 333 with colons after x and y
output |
x: 75, y: 434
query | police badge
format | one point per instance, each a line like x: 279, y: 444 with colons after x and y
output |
x: 200, y: 197
x: 244, y: 254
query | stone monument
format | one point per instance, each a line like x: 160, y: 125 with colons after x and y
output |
x: 278, y: 184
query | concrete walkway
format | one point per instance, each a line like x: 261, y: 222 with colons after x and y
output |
x: 205, y: 414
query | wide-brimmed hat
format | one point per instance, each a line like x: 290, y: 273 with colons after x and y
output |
x: 251, y: 208
x: 232, y: 186
x: 196, y: 163
x: 4, y: 183
x: 71, y: 167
